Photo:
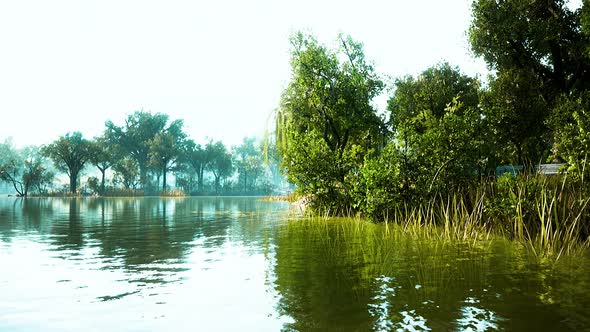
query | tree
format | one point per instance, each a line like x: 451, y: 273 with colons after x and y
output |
x: 24, y: 169
x: 438, y: 131
x: 69, y: 154
x: 327, y: 107
x: 135, y: 135
x: 127, y: 173
x: 220, y: 163
x: 544, y: 38
x: 166, y: 148
x: 103, y: 155
x: 433, y: 90
x: 198, y: 159
x: 248, y: 162
x: 515, y: 112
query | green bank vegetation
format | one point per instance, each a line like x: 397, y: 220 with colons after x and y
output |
x: 431, y: 158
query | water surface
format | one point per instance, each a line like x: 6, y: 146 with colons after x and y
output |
x: 239, y: 264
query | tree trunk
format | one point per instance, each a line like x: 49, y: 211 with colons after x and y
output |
x: 164, y: 178
x: 102, y: 182
x: 200, y: 179
x: 142, y: 176
x: 73, y: 182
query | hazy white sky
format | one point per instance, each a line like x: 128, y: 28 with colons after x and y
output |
x: 69, y: 65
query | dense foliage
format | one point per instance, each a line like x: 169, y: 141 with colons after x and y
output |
x: 445, y: 132
x: 329, y: 123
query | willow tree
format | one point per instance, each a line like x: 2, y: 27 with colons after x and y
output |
x: 326, y: 118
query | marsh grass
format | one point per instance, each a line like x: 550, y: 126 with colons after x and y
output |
x: 172, y: 193
x: 122, y: 192
x: 547, y: 215
x: 291, y: 197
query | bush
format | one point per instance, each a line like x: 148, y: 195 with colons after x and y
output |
x: 378, y: 186
x: 93, y: 183
x: 512, y: 197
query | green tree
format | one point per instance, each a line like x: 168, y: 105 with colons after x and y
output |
x: 25, y: 169
x: 539, y: 37
x: 69, y: 154
x: 198, y: 159
x: 326, y: 113
x: 438, y: 132
x: 103, y: 155
x: 94, y: 185
x: 135, y: 135
x: 515, y: 111
x: 166, y: 148
x: 248, y: 162
x: 433, y: 90
x: 127, y: 173
x: 220, y: 163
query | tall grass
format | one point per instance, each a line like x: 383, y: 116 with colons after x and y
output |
x: 546, y: 214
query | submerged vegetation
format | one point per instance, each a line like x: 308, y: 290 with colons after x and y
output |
x: 413, y: 275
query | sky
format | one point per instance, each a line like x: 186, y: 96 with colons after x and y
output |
x: 70, y: 65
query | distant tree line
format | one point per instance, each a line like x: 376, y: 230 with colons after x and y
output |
x: 141, y: 154
x: 443, y: 131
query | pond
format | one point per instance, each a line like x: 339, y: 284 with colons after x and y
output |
x: 242, y: 264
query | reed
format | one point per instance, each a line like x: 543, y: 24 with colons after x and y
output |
x: 172, y: 193
x: 548, y: 215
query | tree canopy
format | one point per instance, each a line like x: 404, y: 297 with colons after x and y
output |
x: 327, y: 115
x: 544, y: 38
x: 140, y: 129
x: 24, y: 169
x: 69, y: 154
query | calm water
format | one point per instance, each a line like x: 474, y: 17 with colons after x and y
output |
x: 238, y: 264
